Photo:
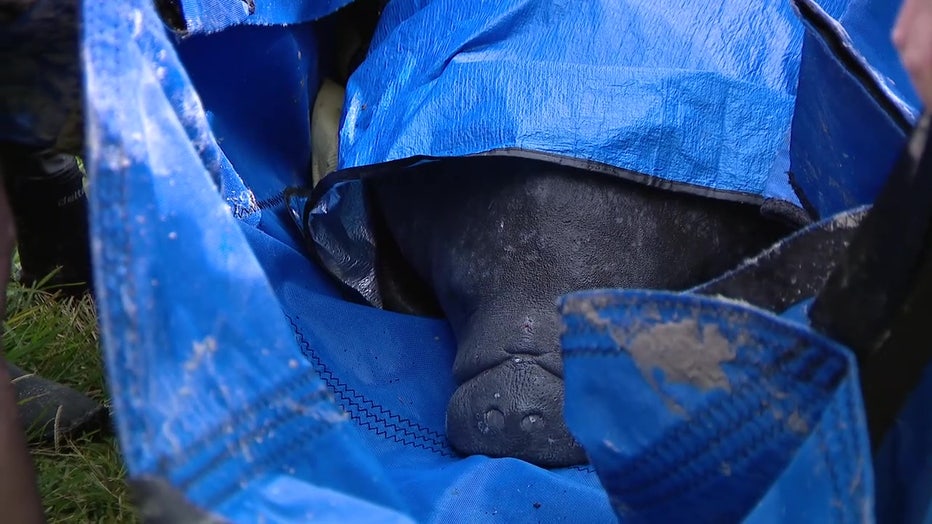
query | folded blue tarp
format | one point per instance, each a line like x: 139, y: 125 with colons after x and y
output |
x: 243, y: 379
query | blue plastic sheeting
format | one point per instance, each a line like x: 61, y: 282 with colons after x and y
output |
x: 838, y: 155
x: 692, y: 96
x: 242, y: 426
x: 240, y: 375
x: 211, y: 390
x: 865, y: 26
x: 208, y: 16
x: 269, y: 75
x: 695, y: 93
x: 208, y: 384
x: 868, y: 23
x: 740, y: 415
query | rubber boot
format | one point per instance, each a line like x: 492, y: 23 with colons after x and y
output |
x: 51, y: 411
x: 46, y: 192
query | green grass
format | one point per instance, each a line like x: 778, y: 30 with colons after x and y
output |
x: 56, y: 337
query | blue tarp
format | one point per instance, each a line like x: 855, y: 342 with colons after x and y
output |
x: 695, y: 93
x: 240, y: 375
x: 690, y: 96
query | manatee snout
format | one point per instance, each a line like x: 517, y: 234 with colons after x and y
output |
x: 514, y: 409
x: 510, y: 399
x: 495, y: 241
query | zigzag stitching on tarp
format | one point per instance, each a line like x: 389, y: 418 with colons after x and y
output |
x: 270, y: 202
x: 274, y: 422
x: 211, y: 436
x: 438, y: 439
x: 649, y: 471
x: 382, y: 432
x: 355, y: 403
x: 403, y: 432
x: 380, y: 422
x: 383, y: 416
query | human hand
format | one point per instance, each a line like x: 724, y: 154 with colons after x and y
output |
x: 912, y: 36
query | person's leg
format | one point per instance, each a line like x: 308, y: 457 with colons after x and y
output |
x: 46, y: 194
x: 19, y: 496
x: 42, y: 113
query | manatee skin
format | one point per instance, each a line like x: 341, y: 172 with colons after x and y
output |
x: 498, y: 239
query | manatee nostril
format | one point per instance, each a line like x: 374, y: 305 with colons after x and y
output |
x: 532, y: 422
x: 495, y: 419
x: 513, y: 410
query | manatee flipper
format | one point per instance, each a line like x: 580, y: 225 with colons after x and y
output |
x: 499, y: 239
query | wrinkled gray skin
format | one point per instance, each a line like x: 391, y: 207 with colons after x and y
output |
x: 498, y: 240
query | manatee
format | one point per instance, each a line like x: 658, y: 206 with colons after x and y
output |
x: 494, y: 241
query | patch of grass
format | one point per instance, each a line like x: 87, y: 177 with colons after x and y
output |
x: 82, y: 481
x: 56, y: 337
